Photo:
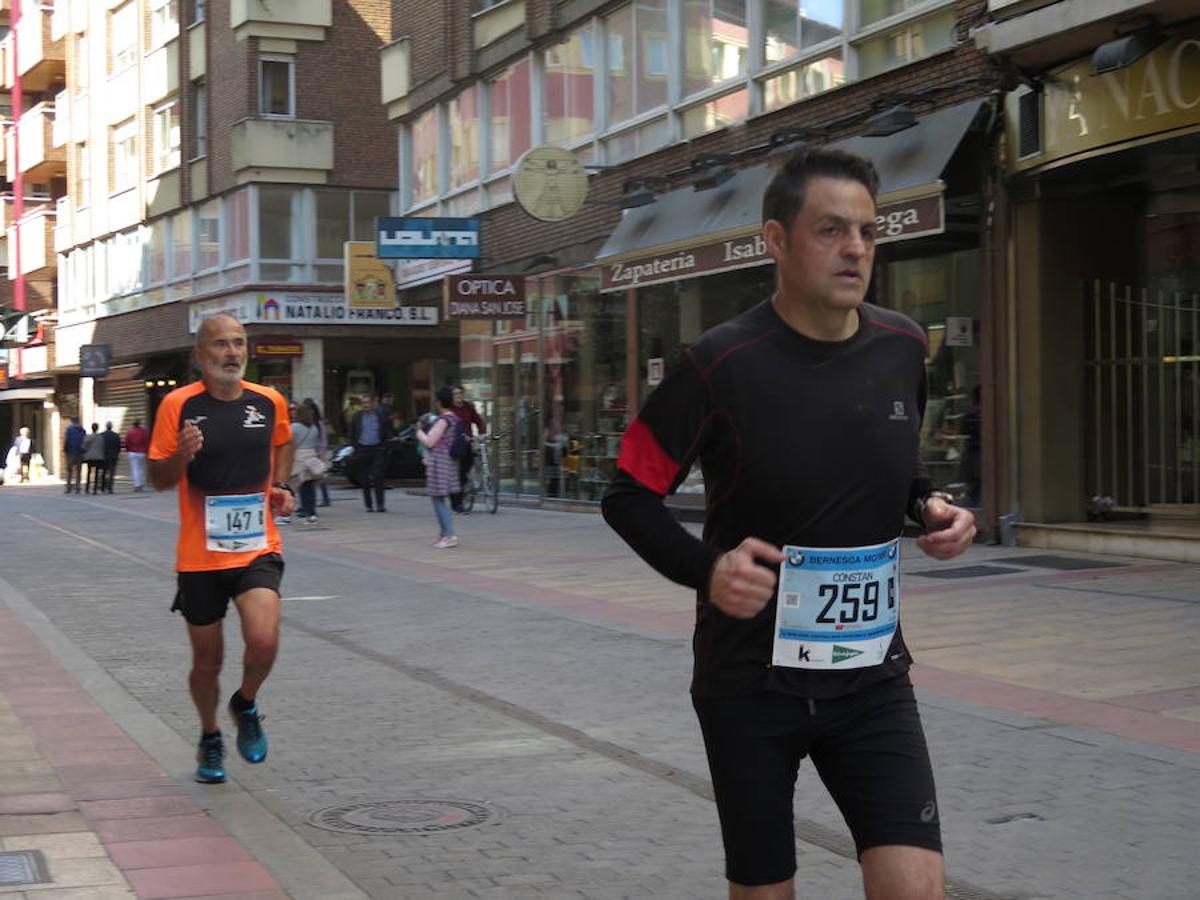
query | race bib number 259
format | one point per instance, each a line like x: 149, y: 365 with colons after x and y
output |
x: 837, y: 606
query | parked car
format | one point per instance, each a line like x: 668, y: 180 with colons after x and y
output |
x: 403, y: 459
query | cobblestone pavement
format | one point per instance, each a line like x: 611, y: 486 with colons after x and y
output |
x: 540, y: 671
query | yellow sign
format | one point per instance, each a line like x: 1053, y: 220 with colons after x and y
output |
x: 369, y: 280
x: 1082, y: 111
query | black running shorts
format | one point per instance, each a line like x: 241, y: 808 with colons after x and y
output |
x: 868, y: 748
x: 203, y: 597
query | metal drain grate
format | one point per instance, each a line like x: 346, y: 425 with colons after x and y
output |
x: 1067, y: 563
x: 22, y: 867
x: 405, y: 816
x: 969, y: 572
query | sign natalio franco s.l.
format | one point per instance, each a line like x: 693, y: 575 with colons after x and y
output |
x: 1081, y: 111
x: 484, y: 296
x: 419, y: 238
x: 251, y: 307
x: 898, y: 220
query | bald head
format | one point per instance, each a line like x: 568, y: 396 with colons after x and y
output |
x: 216, y: 324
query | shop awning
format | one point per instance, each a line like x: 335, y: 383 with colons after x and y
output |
x: 26, y: 393
x: 687, y: 232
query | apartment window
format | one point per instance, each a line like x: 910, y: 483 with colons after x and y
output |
x: 164, y: 21
x: 636, y: 141
x: 481, y: 5
x: 199, y: 119
x: 181, y: 245
x: 124, y: 263
x: 424, y: 157
x: 509, y: 116
x: 714, y: 114
x: 280, y: 232
x: 122, y: 37
x: 81, y: 69
x: 84, y: 176
x: 208, y: 235
x: 237, y: 222
x: 463, y: 115
x: 871, y: 11
x: 907, y: 43
x: 803, y: 81
x: 368, y: 206
x: 197, y: 11
x: 277, y: 86
x: 333, y: 222
x: 637, y: 70
x: 790, y: 27
x: 567, y: 94
x: 716, y: 42
x: 124, y: 153
x: 166, y: 136
x: 156, y: 251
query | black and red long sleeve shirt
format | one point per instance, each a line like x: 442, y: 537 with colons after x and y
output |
x: 801, y: 442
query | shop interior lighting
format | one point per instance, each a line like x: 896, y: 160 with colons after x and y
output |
x: 1126, y: 50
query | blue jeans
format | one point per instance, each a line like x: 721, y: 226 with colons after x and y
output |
x: 441, y: 506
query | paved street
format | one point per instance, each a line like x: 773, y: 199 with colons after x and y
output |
x: 526, y: 693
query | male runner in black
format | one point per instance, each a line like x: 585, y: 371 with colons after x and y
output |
x: 816, y: 488
x: 227, y: 444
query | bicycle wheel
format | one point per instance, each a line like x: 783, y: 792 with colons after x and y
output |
x: 493, y: 492
x: 468, y: 491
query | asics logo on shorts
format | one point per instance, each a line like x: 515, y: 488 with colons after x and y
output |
x: 254, y: 418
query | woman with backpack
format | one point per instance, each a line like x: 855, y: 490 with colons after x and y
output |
x: 441, y: 470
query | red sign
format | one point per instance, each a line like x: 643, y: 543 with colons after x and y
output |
x: 893, y: 222
x: 276, y: 349
x: 484, y: 296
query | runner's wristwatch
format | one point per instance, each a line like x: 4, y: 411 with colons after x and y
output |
x: 921, y: 501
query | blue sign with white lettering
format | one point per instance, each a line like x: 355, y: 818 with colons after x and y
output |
x: 400, y: 238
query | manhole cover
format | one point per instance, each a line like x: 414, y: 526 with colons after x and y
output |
x: 22, y: 867
x: 404, y: 816
x: 1067, y: 563
x: 969, y: 572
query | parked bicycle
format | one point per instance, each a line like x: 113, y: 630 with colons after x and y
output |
x: 483, y: 481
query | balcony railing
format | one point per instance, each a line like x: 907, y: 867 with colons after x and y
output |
x: 36, y: 232
x: 295, y: 150
x: 42, y: 59
x: 60, y: 130
x: 298, y: 20
x: 41, y: 159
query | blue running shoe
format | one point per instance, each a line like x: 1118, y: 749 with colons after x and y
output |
x: 251, y: 739
x: 211, y: 759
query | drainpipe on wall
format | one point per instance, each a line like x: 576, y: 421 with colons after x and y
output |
x: 18, y: 181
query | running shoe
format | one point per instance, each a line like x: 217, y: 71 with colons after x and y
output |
x: 211, y: 758
x: 251, y: 739
x: 446, y: 542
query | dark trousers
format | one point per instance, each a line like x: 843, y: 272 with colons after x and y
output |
x: 371, y: 461
x: 464, y: 468
x: 109, y: 470
x: 308, y: 499
x: 95, y: 476
x: 74, y: 470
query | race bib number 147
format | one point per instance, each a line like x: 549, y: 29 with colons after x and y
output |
x: 837, y: 606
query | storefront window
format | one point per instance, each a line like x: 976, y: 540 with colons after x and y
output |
x: 637, y: 59
x: 803, y: 81
x: 941, y: 293
x: 567, y: 91
x: 715, y: 39
x: 585, y: 406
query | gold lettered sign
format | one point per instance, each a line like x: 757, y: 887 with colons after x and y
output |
x: 1158, y: 93
x: 369, y: 280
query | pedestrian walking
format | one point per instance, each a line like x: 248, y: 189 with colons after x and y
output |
x: 441, y: 470
x: 137, y: 444
x: 112, y: 450
x: 472, y: 423
x: 227, y: 445
x: 73, y: 452
x: 307, y: 466
x: 322, y: 448
x: 22, y: 453
x: 804, y: 413
x: 93, y: 458
x: 370, y: 430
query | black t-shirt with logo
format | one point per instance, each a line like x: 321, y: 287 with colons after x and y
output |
x: 801, y: 442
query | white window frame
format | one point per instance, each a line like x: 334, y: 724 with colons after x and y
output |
x: 199, y: 106
x: 125, y: 56
x: 166, y: 155
x: 125, y: 176
x: 164, y: 21
x: 290, y: 62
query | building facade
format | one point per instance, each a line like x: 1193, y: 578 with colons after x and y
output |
x: 674, y: 107
x: 1100, y: 206
x: 218, y: 156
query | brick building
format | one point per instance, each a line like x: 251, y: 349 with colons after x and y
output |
x: 673, y: 107
x: 218, y: 156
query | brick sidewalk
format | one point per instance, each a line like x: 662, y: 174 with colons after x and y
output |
x: 106, y: 819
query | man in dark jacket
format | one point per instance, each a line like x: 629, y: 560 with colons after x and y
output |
x: 73, y: 451
x: 370, y: 430
x: 112, y: 449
